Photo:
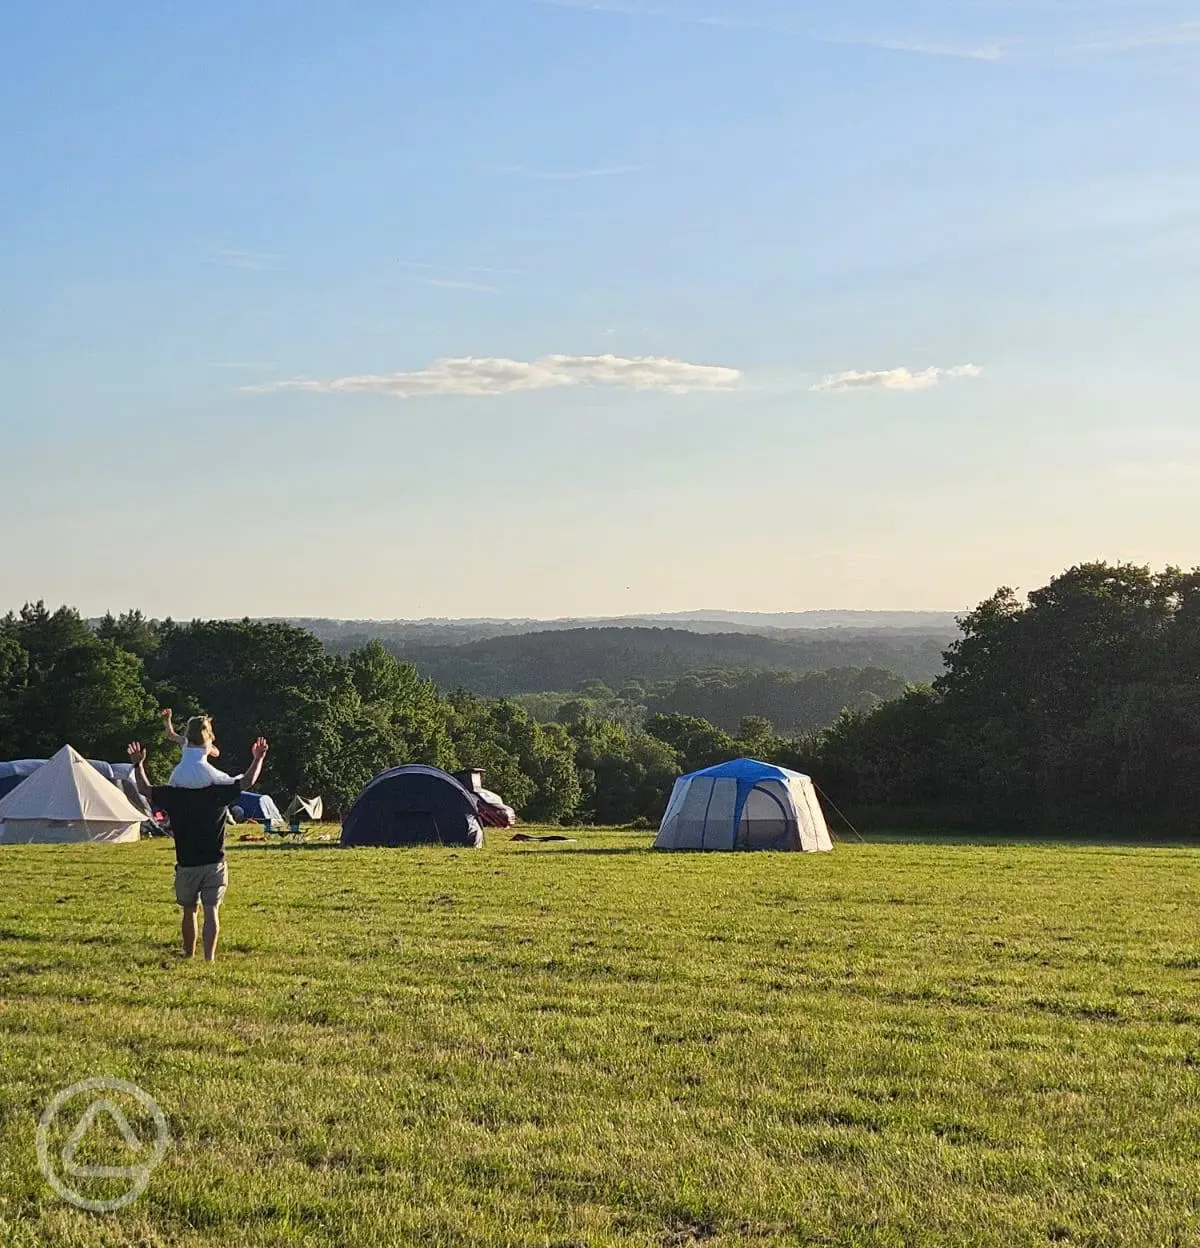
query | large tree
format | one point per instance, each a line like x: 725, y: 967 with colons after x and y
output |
x: 61, y: 684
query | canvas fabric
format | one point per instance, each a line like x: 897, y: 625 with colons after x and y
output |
x: 67, y: 790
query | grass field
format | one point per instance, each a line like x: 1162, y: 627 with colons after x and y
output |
x: 590, y: 1044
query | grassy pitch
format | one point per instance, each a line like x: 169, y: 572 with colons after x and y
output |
x: 593, y: 1044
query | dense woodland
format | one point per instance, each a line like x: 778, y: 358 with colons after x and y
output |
x: 1080, y: 703
x: 563, y: 659
x: 793, y: 703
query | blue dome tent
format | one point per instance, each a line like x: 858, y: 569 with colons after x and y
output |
x: 744, y: 804
x: 259, y: 808
x: 414, y: 805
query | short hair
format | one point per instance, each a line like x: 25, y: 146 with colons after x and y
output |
x: 199, y: 730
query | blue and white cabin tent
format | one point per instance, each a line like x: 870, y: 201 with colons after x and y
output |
x: 744, y: 804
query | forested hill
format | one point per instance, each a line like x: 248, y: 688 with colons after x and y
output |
x: 535, y: 662
x: 346, y: 635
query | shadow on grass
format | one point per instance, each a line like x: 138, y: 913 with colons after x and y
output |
x: 566, y: 849
x: 285, y: 846
x: 1027, y: 839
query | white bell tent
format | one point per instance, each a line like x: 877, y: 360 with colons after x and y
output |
x: 744, y: 804
x: 67, y: 799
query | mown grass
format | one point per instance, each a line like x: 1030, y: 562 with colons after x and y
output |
x: 591, y: 1044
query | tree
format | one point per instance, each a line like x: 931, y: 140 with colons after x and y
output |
x: 45, y: 634
x: 531, y: 765
x: 131, y: 631
x: 90, y: 696
x: 1082, y: 701
x: 626, y: 775
x: 408, y: 709
x: 696, y: 742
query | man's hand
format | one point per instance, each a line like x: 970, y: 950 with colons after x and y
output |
x: 258, y: 751
x: 137, y: 756
x: 165, y: 715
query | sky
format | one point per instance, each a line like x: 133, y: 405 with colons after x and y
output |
x: 413, y: 308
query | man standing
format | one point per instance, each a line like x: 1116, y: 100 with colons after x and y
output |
x: 198, y: 818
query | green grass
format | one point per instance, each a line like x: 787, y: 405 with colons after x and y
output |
x: 590, y: 1044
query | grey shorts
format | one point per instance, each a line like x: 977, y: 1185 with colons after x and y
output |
x: 206, y: 884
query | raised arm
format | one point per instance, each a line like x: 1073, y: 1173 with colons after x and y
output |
x: 258, y: 754
x: 176, y: 738
x: 137, y: 756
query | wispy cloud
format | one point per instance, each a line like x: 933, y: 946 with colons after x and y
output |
x: 563, y: 175
x: 489, y: 377
x: 894, y: 379
x: 918, y: 46
x: 1181, y: 34
x: 461, y: 268
x: 445, y: 283
x: 574, y: 175
x: 232, y: 258
x: 605, y: 6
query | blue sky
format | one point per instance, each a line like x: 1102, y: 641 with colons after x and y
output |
x: 516, y: 307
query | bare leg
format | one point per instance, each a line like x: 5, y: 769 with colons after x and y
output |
x: 212, y: 929
x: 189, y: 931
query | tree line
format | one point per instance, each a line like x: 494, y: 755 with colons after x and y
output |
x: 1079, y: 704
x: 1080, y: 701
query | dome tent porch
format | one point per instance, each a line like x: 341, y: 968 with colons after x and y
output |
x: 744, y: 805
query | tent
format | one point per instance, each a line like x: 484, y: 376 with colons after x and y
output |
x: 744, y: 804
x: 414, y: 805
x: 121, y: 774
x: 67, y: 799
x: 304, y: 808
x: 494, y: 811
x: 11, y: 774
x: 258, y: 808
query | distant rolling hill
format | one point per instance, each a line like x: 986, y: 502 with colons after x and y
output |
x: 563, y: 659
x: 345, y: 634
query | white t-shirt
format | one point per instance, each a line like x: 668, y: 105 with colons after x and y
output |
x: 196, y: 772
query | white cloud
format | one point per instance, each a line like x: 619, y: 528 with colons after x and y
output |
x: 1182, y: 34
x: 445, y: 283
x: 894, y: 379
x: 232, y: 258
x: 472, y: 376
x: 922, y: 47
x: 573, y: 175
x: 562, y: 175
x: 967, y: 52
x: 600, y: 6
x: 464, y: 268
